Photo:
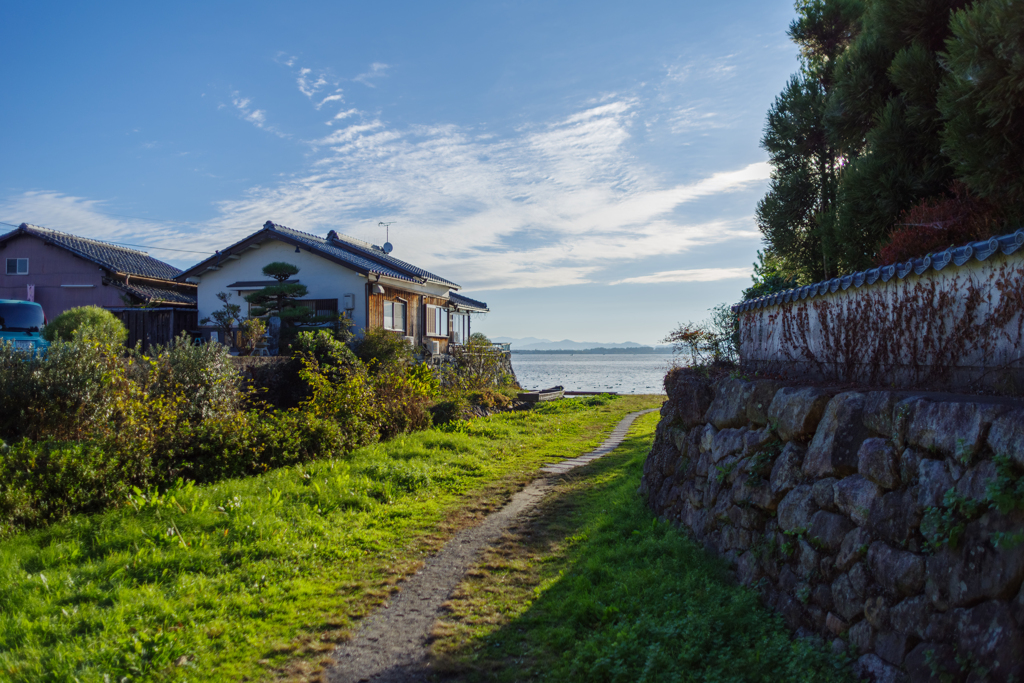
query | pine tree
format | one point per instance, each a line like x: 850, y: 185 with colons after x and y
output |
x: 883, y: 115
x: 796, y: 215
x: 982, y: 99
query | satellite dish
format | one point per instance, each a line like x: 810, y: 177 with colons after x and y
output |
x: 388, y: 248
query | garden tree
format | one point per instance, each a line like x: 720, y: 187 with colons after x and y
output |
x: 883, y: 116
x: 796, y: 215
x: 91, y: 323
x: 225, y: 318
x: 279, y: 300
x: 982, y: 100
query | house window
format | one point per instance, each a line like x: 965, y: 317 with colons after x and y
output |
x: 460, y: 328
x: 437, y: 321
x: 17, y: 266
x: 394, y: 316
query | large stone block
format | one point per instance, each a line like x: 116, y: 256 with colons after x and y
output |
x: 989, y: 633
x: 878, y: 407
x: 797, y: 412
x: 933, y: 480
x: 786, y: 472
x: 896, y: 516
x: 690, y: 394
x: 931, y: 662
x: 825, y: 493
x: 755, y: 440
x: 853, y: 549
x: 760, y: 399
x: 877, y: 460
x: 854, y: 497
x: 952, y: 429
x: 892, y: 647
x: 729, y: 409
x: 828, y: 530
x: 912, y: 616
x: 707, y: 438
x: 898, y: 572
x: 975, y: 570
x: 833, y: 450
x: 871, y: 667
x: 862, y: 638
x: 680, y: 439
x: 807, y: 559
x: 796, y: 509
x: 848, y: 593
x: 975, y: 482
x: 1006, y: 437
x: 727, y: 442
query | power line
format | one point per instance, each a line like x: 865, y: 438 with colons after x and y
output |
x: 140, y: 246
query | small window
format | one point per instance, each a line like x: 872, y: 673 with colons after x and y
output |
x: 437, y: 321
x: 394, y: 316
x: 17, y: 266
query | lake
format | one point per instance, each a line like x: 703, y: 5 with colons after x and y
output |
x: 623, y: 374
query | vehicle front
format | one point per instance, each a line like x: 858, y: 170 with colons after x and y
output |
x: 21, y: 323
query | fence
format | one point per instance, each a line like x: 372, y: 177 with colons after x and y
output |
x: 156, y: 325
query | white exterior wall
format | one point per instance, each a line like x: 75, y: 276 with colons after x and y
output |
x: 323, y: 278
x: 956, y: 327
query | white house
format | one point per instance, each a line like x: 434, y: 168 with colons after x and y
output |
x: 342, y: 275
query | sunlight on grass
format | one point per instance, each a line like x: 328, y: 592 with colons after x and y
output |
x: 241, y: 578
x: 596, y: 589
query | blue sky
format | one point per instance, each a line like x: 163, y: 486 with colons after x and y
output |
x: 590, y: 169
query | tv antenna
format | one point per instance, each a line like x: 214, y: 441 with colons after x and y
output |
x: 388, y: 248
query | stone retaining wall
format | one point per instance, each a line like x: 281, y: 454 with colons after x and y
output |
x: 887, y: 522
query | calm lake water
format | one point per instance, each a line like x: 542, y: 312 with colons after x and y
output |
x: 640, y: 374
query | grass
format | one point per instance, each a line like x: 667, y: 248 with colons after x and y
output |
x: 594, y: 588
x: 258, y: 578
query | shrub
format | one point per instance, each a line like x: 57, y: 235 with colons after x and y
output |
x: 325, y: 347
x: 449, y: 410
x: 44, y: 482
x: 199, y: 379
x: 378, y: 347
x: 475, y: 366
x: 489, y: 398
x: 252, y: 331
x: 403, y: 396
x: 91, y: 322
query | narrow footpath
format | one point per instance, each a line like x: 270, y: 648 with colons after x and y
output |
x: 391, y: 646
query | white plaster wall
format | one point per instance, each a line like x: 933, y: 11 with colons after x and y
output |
x: 910, y: 322
x: 323, y: 278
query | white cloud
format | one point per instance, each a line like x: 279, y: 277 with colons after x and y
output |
x: 560, y: 203
x: 377, y: 70
x: 691, y: 275
x: 256, y: 117
x: 308, y: 86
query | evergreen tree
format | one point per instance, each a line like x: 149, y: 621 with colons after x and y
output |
x: 883, y: 115
x: 280, y: 299
x: 796, y: 215
x: 982, y: 100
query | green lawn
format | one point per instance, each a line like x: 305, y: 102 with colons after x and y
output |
x: 256, y: 578
x: 595, y: 589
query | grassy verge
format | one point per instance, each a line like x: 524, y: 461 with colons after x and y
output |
x: 593, y: 588
x: 256, y: 578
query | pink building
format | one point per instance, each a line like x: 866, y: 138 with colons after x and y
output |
x: 61, y: 271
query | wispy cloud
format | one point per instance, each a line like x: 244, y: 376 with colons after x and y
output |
x: 691, y: 275
x: 256, y: 117
x: 377, y: 70
x: 558, y: 203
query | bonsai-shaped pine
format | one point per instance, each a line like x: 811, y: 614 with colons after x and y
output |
x: 281, y: 300
x: 225, y: 317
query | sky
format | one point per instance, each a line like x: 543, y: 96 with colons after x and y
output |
x: 589, y: 169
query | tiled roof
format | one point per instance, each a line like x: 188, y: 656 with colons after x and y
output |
x: 360, y: 256
x: 156, y: 294
x: 954, y: 256
x: 466, y: 302
x: 110, y: 256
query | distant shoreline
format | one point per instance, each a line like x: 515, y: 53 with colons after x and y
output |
x: 631, y: 351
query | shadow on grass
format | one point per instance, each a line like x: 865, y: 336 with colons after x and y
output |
x: 594, y: 588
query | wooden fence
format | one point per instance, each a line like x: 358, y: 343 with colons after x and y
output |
x: 156, y: 325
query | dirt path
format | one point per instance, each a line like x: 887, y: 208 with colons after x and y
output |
x: 391, y: 646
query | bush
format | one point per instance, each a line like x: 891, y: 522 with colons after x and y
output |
x: 476, y: 366
x: 489, y: 398
x: 403, y: 396
x: 199, y: 379
x: 45, y: 482
x: 325, y: 347
x: 91, y: 322
x: 378, y: 347
x: 449, y: 410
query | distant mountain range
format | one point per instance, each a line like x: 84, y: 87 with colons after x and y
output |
x: 535, y: 344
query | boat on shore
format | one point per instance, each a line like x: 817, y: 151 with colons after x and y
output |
x: 542, y: 395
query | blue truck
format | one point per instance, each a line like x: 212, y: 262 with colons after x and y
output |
x: 21, y: 323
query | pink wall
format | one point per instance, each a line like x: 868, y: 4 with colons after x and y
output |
x: 49, y: 268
